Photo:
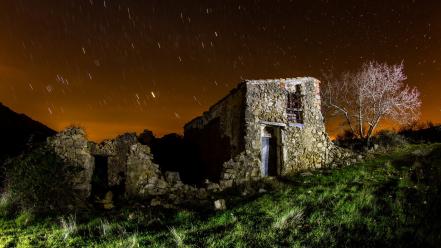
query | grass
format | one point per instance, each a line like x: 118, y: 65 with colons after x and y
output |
x: 391, y: 200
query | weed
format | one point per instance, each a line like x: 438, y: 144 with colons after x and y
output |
x: 68, y: 226
x: 6, y: 205
x: 178, y: 237
x: 105, y: 228
x: 293, y: 218
x: 25, y: 218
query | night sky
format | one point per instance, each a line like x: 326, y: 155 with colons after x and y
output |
x: 115, y: 66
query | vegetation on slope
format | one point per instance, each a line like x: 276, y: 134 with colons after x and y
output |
x: 391, y: 200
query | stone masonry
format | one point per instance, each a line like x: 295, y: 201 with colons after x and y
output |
x: 262, y: 128
x: 129, y: 167
x: 256, y: 108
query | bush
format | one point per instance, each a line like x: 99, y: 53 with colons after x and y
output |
x: 385, y: 139
x: 348, y: 140
x: 422, y: 133
x: 38, y: 181
x: 388, y: 139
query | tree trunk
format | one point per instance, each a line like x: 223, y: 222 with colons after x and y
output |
x: 360, y: 118
x: 371, y: 130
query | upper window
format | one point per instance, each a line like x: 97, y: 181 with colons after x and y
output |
x: 294, y: 109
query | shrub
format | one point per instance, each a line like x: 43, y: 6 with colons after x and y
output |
x: 348, y: 140
x: 385, y: 139
x: 38, y: 181
x: 422, y: 133
x: 388, y: 139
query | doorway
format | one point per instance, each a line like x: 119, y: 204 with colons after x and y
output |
x: 100, y: 185
x: 271, y: 157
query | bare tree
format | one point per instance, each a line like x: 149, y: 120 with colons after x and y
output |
x: 374, y: 93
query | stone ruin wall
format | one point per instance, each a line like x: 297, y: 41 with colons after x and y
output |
x: 218, y: 133
x: 129, y: 162
x: 230, y: 111
x: 73, y: 148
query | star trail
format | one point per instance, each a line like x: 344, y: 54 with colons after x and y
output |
x: 115, y: 66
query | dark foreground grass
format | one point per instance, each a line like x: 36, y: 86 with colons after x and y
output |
x: 391, y: 200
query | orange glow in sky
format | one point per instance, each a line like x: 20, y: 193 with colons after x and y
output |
x: 135, y: 65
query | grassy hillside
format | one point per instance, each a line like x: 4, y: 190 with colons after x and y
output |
x: 391, y: 200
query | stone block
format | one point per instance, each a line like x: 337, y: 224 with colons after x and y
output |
x: 220, y: 205
x: 226, y: 184
x: 172, y: 177
x: 155, y: 202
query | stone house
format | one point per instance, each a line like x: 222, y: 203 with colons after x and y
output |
x: 262, y: 128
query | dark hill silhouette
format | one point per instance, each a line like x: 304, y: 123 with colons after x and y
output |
x: 18, y: 131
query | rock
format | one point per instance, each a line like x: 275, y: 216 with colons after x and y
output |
x: 172, y: 177
x: 421, y: 152
x: 131, y: 216
x: 220, y: 205
x: 108, y: 201
x: 155, y: 202
x: 226, y: 184
x: 213, y: 187
x: 172, y: 196
x: 161, y: 184
x: 262, y: 190
x: 202, y: 193
x: 226, y: 176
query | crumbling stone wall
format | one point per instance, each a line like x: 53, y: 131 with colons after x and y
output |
x: 217, y: 135
x: 117, y: 151
x: 129, y: 163
x: 72, y: 147
x: 143, y: 176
